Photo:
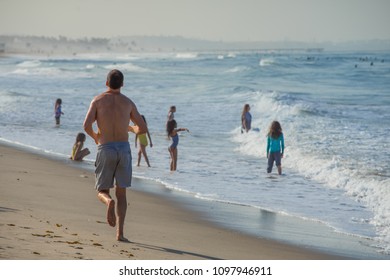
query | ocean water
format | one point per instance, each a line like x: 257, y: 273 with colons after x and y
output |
x: 334, y: 109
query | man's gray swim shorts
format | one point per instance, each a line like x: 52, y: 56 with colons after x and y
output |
x: 113, y: 161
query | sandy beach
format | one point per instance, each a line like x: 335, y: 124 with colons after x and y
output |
x: 49, y: 211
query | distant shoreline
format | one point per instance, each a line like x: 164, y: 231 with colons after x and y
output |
x: 61, y: 45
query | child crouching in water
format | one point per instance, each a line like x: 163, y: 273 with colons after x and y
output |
x: 172, y: 134
x: 78, y: 153
x: 275, y: 147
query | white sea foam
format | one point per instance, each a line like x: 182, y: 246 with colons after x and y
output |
x: 127, y: 67
x: 29, y: 63
x: 371, y: 191
x: 187, y: 55
x: 38, y: 71
x: 238, y: 69
x: 266, y: 62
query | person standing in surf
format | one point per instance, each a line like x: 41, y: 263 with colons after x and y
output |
x: 142, y: 140
x: 58, y: 111
x: 172, y: 132
x: 275, y: 147
x: 112, y: 112
x: 246, y: 119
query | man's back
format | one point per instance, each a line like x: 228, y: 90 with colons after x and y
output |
x: 113, y: 111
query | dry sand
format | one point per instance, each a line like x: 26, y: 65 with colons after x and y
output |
x: 49, y: 211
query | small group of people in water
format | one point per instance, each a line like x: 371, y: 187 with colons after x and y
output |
x: 172, y: 133
x: 275, y: 139
x: 141, y: 140
x: 274, y: 152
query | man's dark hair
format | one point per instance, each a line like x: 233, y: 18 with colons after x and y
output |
x: 115, y: 79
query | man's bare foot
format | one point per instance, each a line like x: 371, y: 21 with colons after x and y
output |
x: 111, y: 217
x: 122, y: 239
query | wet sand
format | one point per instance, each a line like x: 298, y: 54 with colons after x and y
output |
x: 49, y: 211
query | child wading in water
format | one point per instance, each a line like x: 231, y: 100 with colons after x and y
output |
x: 78, y: 153
x: 246, y: 119
x: 58, y: 110
x: 172, y: 134
x: 275, y: 146
x: 143, y: 143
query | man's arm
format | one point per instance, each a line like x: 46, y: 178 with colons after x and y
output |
x: 90, y: 118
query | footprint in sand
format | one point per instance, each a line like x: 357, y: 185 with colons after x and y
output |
x: 73, y: 242
x: 40, y: 235
x: 127, y: 253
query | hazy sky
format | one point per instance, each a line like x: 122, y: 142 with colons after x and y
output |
x: 226, y: 20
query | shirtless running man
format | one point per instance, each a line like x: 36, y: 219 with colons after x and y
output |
x: 112, y: 112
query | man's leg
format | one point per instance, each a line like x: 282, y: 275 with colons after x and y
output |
x: 104, y: 196
x: 121, y: 209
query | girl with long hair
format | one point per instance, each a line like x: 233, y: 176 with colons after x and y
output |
x: 275, y: 146
x: 172, y: 132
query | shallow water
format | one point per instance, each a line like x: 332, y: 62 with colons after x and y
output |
x: 335, y: 118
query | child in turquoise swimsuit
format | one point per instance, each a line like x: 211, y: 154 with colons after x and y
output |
x: 275, y: 147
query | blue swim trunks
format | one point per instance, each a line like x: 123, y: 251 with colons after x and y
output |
x: 113, y: 161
